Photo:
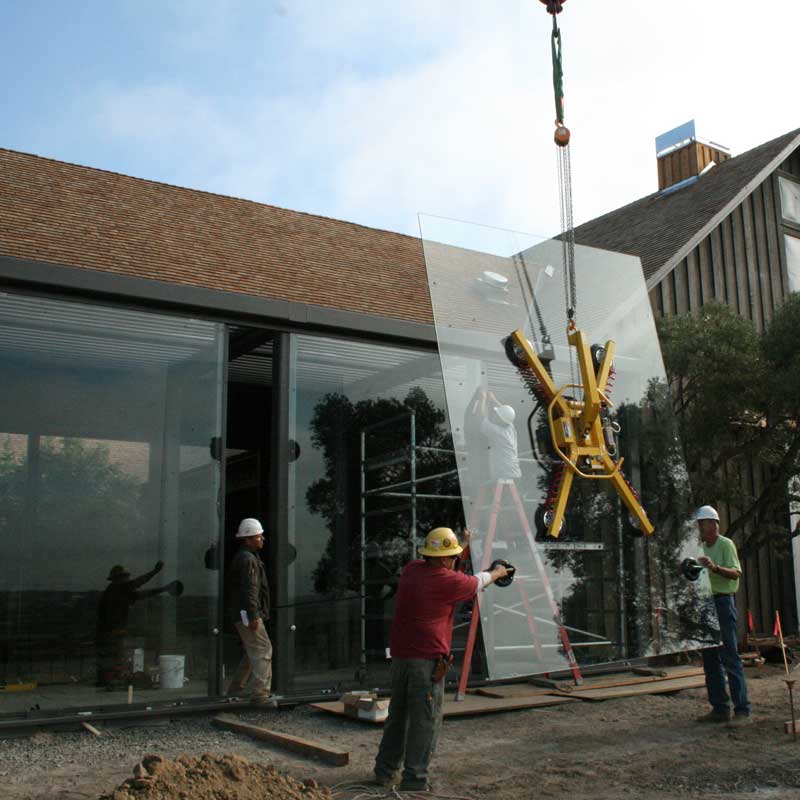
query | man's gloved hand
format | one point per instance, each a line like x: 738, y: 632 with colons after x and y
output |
x: 159, y: 566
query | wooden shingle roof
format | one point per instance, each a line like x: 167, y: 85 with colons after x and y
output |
x: 662, y: 227
x: 76, y: 216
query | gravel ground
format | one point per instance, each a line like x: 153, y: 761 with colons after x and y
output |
x: 648, y: 746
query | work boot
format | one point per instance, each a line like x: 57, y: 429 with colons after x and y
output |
x: 385, y: 780
x: 407, y: 785
x: 719, y: 717
x: 739, y: 720
x: 269, y: 701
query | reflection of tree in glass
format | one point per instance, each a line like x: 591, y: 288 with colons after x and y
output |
x: 76, y: 484
x: 336, y: 430
x: 663, y: 609
x: 78, y: 505
x: 737, y: 396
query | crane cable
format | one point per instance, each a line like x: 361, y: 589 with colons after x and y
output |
x: 561, y: 137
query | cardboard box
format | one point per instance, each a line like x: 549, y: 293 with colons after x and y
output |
x: 352, y: 699
x: 373, y: 710
x: 365, y: 705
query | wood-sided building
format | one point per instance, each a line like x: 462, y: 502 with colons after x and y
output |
x: 726, y: 232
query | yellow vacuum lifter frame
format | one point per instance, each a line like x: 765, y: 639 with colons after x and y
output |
x: 577, y: 429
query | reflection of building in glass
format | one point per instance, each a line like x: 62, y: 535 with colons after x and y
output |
x: 174, y: 361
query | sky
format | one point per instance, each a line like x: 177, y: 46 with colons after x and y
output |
x: 374, y: 111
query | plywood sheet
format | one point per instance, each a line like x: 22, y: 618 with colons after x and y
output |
x: 651, y: 687
x: 600, y: 682
x: 471, y: 704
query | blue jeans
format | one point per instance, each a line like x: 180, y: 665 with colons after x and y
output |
x: 415, y: 719
x: 724, y: 660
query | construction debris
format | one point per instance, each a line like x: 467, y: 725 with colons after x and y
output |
x: 210, y: 777
x: 87, y: 726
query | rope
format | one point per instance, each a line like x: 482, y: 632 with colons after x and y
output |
x: 345, y: 791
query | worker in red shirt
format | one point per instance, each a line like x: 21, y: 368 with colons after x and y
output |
x: 422, y: 629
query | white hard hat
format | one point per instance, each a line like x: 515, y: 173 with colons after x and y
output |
x: 706, y: 512
x: 506, y: 413
x: 249, y: 527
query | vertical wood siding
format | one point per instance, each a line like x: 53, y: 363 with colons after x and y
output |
x: 741, y: 263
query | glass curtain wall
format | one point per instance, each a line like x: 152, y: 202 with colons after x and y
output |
x: 109, y: 480
x: 371, y: 470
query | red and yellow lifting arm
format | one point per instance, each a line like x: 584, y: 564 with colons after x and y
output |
x: 576, y: 426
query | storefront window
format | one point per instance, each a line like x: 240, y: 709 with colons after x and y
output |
x: 108, y: 502
x: 372, y: 471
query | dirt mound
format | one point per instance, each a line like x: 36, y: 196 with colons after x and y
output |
x: 209, y: 777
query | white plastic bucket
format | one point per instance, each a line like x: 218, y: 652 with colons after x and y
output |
x: 170, y: 672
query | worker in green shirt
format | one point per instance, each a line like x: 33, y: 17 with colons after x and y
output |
x: 722, y: 562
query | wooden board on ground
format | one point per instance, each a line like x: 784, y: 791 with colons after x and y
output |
x: 650, y: 687
x: 305, y: 747
x: 601, y: 682
x: 471, y: 704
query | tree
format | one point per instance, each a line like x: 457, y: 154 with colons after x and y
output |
x: 737, y: 398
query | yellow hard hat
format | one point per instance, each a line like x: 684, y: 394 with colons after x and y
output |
x: 441, y: 542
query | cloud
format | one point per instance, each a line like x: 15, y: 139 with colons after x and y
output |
x: 418, y: 107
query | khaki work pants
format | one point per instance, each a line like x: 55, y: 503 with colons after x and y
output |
x: 256, y: 662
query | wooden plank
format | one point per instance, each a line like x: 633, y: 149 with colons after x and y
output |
x: 490, y: 693
x: 470, y: 705
x: 731, y: 296
x: 91, y: 728
x: 304, y: 747
x: 760, y: 232
x: 756, y: 311
x: 477, y: 705
x: 774, y: 241
x: 740, y: 261
x: 681, y: 288
x: 650, y: 687
x: 706, y: 278
x: 718, y: 264
x: 645, y: 675
x: 695, y: 281
x: 668, y: 293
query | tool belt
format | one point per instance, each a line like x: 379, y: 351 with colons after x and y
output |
x: 440, y: 667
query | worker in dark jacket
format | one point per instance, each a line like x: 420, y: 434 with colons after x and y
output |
x: 247, y: 605
x: 422, y: 630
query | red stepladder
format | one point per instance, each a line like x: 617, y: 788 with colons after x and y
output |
x: 494, y: 514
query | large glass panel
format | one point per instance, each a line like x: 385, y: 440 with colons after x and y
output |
x: 599, y: 588
x: 109, y: 426
x: 372, y: 470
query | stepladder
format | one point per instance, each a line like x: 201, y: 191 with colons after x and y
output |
x: 523, y: 627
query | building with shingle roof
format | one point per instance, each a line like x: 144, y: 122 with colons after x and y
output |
x: 260, y: 361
